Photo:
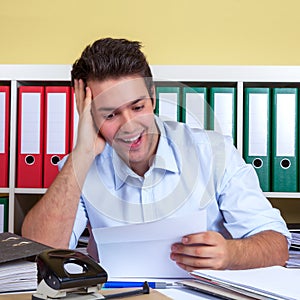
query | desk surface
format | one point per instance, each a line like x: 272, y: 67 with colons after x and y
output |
x: 170, y: 293
x: 154, y: 295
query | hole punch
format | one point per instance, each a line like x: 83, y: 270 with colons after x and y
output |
x: 71, y: 274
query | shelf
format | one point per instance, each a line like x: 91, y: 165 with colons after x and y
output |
x: 22, y: 199
x: 295, y: 196
x: 30, y: 191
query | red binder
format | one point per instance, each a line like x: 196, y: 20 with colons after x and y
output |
x: 30, y: 137
x: 57, y: 129
x: 4, y: 134
x: 73, y: 120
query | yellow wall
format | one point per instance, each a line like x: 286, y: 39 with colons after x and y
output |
x: 213, y: 32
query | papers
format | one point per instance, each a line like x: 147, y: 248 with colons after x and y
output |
x: 143, y: 250
x: 275, y: 282
x: 16, y: 272
x: 14, y: 247
x: 294, y: 252
x: 295, y: 240
x: 294, y: 259
x: 203, y: 287
x: 18, y: 276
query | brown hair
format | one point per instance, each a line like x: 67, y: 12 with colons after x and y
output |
x: 112, y: 58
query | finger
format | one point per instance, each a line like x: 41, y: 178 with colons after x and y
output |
x: 203, y: 238
x: 78, y: 85
x: 88, y: 95
x: 79, y: 94
x: 195, y: 251
x: 192, y: 263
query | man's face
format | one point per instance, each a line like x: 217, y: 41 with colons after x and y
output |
x: 123, y: 112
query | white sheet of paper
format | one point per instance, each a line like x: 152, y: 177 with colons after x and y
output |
x: 277, y: 280
x: 143, y: 250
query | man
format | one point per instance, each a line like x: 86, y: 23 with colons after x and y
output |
x: 129, y: 166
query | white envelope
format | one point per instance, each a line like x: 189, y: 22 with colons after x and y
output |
x: 143, y: 250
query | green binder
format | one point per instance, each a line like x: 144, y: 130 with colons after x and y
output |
x: 222, y: 115
x: 3, y: 214
x: 194, y: 107
x: 168, y: 103
x: 257, y: 126
x: 285, y: 140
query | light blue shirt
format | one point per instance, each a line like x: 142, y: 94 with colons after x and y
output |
x: 193, y: 169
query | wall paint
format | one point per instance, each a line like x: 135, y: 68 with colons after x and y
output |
x: 215, y: 32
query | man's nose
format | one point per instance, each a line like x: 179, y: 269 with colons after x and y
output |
x: 127, y: 120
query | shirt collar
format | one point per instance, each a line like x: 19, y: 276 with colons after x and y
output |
x: 164, y: 159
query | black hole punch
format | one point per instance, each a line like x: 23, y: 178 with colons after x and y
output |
x: 29, y: 159
x: 285, y: 163
x: 74, y: 266
x: 54, y: 160
x: 257, y: 163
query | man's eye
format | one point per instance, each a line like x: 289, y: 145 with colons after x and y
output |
x: 138, y: 108
x: 109, y: 117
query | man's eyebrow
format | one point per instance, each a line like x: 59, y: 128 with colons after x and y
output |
x: 133, y: 102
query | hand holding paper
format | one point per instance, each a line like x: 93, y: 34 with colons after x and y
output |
x: 143, y: 250
x: 201, y: 250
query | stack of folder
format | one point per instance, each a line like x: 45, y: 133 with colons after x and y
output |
x: 271, y: 137
x: 46, y: 117
x: 212, y: 108
x: 47, y: 121
x: 18, y: 269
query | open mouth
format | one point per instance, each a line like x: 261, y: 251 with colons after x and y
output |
x: 133, y: 141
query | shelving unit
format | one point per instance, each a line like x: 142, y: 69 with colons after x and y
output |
x: 20, y: 199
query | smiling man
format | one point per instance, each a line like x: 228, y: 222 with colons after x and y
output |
x: 129, y: 166
x: 123, y: 113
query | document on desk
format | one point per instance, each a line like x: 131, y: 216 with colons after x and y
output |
x: 274, y: 282
x: 143, y: 250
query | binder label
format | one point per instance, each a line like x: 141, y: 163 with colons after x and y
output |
x: 285, y: 129
x: 168, y: 106
x: 195, y: 110
x: 56, y: 123
x: 2, y: 122
x: 30, y: 124
x: 258, y: 124
x: 223, y: 122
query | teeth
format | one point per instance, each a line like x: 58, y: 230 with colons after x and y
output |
x: 132, y: 139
